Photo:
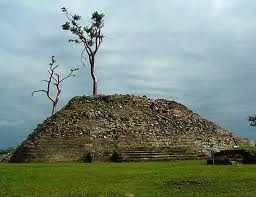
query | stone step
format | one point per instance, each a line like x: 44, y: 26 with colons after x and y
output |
x: 43, y: 154
x: 156, y: 156
x: 174, y: 148
x: 154, y: 152
x: 160, y: 158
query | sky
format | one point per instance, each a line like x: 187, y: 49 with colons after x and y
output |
x: 196, y: 52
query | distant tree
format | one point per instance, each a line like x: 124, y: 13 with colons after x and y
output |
x: 54, y: 80
x: 4, y: 151
x: 89, y: 36
x: 252, y: 119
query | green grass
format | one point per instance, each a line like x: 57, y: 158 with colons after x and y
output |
x: 127, y: 179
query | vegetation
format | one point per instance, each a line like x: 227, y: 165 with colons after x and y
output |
x: 56, y: 80
x: 4, y: 151
x: 253, y: 148
x: 177, y: 178
x: 89, y: 36
x: 252, y: 119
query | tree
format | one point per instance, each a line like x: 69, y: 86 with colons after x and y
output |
x: 89, y: 36
x: 252, y: 119
x: 56, y: 80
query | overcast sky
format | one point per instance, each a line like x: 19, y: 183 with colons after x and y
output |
x: 197, y: 52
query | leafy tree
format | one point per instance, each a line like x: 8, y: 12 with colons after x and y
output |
x: 89, y: 36
x: 55, y: 80
x: 252, y: 119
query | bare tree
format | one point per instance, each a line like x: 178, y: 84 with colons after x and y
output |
x: 89, y: 36
x: 56, y: 80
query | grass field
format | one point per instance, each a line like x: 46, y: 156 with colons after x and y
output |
x: 176, y: 178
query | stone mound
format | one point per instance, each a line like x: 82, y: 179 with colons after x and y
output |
x: 101, y: 125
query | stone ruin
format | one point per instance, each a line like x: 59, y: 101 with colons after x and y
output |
x: 123, y: 127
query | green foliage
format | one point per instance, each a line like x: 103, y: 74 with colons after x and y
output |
x: 66, y: 26
x: 97, y: 20
x: 177, y: 178
x: 88, y: 34
x: 4, y: 151
x: 76, y: 17
x: 253, y: 148
x: 252, y: 119
x: 104, y: 105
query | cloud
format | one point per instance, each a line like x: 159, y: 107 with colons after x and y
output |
x: 6, y: 123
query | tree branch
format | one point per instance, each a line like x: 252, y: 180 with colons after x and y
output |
x: 69, y: 75
x: 82, y: 57
x: 38, y: 91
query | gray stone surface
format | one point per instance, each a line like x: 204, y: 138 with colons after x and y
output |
x: 103, y: 124
x: 5, y: 158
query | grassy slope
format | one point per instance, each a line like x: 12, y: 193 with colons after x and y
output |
x: 126, y: 179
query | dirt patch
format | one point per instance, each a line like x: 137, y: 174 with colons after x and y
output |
x: 184, y: 183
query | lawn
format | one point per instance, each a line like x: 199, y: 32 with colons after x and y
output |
x: 176, y: 178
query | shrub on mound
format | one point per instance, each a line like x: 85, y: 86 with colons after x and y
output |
x: 237, y: 155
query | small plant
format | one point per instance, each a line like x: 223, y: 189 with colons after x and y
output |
x: 104, y: 105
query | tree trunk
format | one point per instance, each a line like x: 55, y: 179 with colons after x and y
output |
x: 55, y: 103
x: 94, y: 78
x: 94, y: 86
x: 54, y: 108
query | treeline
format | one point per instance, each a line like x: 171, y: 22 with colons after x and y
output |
x: 4, y: 151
